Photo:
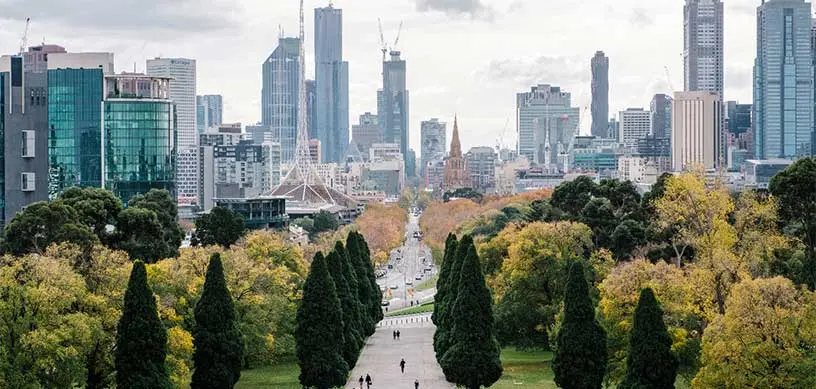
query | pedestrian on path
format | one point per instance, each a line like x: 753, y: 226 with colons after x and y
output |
x: 394, y: 334
x: 416, y: 384
x: 402, y: 365
x: 361, y: 382
x: 398, y: 334
x: 368, y: 381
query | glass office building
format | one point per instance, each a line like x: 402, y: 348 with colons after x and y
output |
x: 74, y: 129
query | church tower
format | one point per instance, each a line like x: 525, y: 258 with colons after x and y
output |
x: 456, y: 175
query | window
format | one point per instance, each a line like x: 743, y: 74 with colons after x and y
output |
x: 27, y: 182
x: 28, y: 142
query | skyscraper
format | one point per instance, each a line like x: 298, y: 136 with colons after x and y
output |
x: 546, y: 123
x: 703, y: 45
x: 209, y: 111
x: 331, y: 84
x: 311, y: 109
x: 433, y: 137
x: 783, y: 80
x: 697, y: 133
x: 366, y: 133
x: 661, y: 110
x: 600, y: 95
x: 635, y: 124
x: 392, y: 103
x: 279, y: 95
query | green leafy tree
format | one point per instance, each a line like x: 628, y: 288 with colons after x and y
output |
x: 442, y: 336
x: 220, y: 226
x: 319, y: 331
x: 599, y: 215
x: 364, y: 292
x: 581, y: 356
x: 627, y: 236
x: 795, y: 192
x: 325, y: 221
x: 219, y: 349
x: 164, y: 205
x: 140, y: 234
x: 98, y: 208
x: 352, y: 340
x: 42, y: 224
x: 141, y: 339
x: 473, y: 357
x: 623, y: 195
x: 650, y: 363
x: 572, y: 196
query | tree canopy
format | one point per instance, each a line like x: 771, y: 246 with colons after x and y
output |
x: 220, y: 226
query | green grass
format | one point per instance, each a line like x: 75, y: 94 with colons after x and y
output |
x: 280, y: 376
x: 525, y: 369
x: 427, y: 307
x: 427, y: 284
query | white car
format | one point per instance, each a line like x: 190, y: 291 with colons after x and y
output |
x: 418, y: 277
x: 409, y: 283
x: 394, y: 286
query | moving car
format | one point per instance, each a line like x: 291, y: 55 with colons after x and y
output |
x: 386, y: 303
x: 409, y: 282
x: 394, y: 286
x: 418, y: 277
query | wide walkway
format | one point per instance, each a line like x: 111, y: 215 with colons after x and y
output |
x: 381, y: 356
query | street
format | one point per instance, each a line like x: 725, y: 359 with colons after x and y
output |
x: 405, y: 270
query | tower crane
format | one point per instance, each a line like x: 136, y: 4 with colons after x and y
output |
x: 668, y: 78
x: 399, y: 32
x: 382, y: 40
x: 24, y: 41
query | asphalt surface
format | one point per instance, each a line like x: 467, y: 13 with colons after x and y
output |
x: 406, y: 269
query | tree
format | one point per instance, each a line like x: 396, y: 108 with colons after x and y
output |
x: 220, y: 226
x: 364, y: 292
x: 160, y: 202
x: 572, y: 196
x: 325, y: 221
x: 650, y: 363
x: 139, y: 233
x: 141, y: 339
x: 442, y: 335
x: 352, y: 340
x: 42, y: 224
x: 98, y: 208
x: 599, y: 215
x: 376, y: 294
x: 383, y: 227
x: 473, y: 357
x: 622, y: 194
x: 765, y: 339
x: 219, y: 349
x: 580, y: 360
x: 626, y: 237
x: 444, y: 276
x: 319, y: 331
x: 795, y: 191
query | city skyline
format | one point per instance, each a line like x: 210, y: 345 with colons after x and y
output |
x: 515, y: 61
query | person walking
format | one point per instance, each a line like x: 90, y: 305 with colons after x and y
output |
x: 416, y: 384
x: 402, y: 365
x: 361, y: 382
x: 368, y: 381
x: 394, y: 334
x: 398, y: 334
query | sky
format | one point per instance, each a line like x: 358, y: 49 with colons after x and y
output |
x: 465, y: 57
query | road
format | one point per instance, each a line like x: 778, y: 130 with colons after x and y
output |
x: 405, y: 270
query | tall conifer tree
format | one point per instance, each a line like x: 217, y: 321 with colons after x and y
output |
x: 650, y: 363
x: 442, y: 335
x: 352, y: 339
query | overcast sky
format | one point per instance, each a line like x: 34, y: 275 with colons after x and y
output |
x: 464, y: 56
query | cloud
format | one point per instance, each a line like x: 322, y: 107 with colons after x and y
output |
x: 640, y: 18
x: 542, y: 70
x: 128, y: 16
x: 473, y: 8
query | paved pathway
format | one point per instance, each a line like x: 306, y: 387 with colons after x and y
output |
x: 381, y: 356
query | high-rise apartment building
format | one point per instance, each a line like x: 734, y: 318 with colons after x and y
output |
x: 703, y: 45
x: 546, y: 122
x: 783, y: 80
x: 331, y: 84
x: 366, y: 133
x: 481, y: 166
x: 697, y: 133
x: 392, y: 103
x: 279, y: 95
x: 635, y: 124
x: 209, y: 111
x: 600, y: 95
x: 35, y: 60
x: 661, y: 110
x: 238, y: 171
x: 434, y: 139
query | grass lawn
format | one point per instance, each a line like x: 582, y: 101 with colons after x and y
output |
x: 280, y: 376
x: 427, y: 307
x: 525, y: 369
x: 428, y: 284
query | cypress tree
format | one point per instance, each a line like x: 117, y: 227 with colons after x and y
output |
x: 350, y: 273
x: 580, y: 360
x: 319, y: 331
x: 348, y: 304
x: 141, y: 339
x: 444, y: 272
x: 473, y: 358
x: 219, y: 348
x: 650, y: 363
x: 376, y: 294
x: 442, y: 335
x: 363, y: 286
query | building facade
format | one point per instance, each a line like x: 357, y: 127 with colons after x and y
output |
x: 392, y: 103
x: 279, y: 95
x: 703, y: 45
x: 456, y: 175
x: 331, y: 84
x: 209, y: 111
x: 546, y: 122
x: 600, y: 95
x: 433, y: 138
x: 635, y: 124
x: 661, y: 108
x: 366, y: 133
x: 481, y: 166
x: 697, y: 134
x: 35, y: 60
x: 783, y: 80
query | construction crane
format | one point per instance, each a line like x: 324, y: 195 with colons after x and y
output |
x: 399, y: 32
x: 668, y: 78
x: 382, y: 39
x: 24, y: 41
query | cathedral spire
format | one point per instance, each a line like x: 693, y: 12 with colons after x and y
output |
x: 455, y: 147
x: 456, y: 175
